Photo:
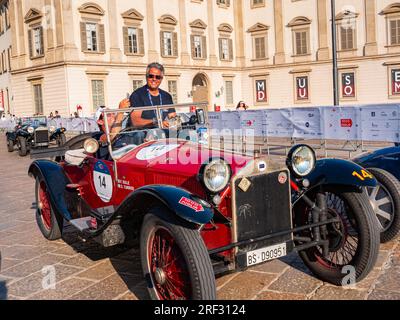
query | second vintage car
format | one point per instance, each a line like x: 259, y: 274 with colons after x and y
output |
x: 33, y: 133
x: 199, y: 211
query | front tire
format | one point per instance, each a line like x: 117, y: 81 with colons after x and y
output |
x: 353, y: 241
x: 10, y: 146
x: 23, y: 150
x: 46, y: 218
x: 175, y: 261
x: 385, y: 200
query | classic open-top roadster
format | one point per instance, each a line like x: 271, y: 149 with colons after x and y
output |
x: 199, y: 211
x: 32, y: 133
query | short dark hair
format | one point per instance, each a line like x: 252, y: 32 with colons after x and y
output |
x: 155, y: 65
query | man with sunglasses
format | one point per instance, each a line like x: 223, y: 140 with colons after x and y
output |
x: 150, y: 95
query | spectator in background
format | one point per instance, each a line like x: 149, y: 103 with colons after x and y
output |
x: 242, y: 106
x: 51, y: 116
x: 57, y: 115
x: 76, y: 115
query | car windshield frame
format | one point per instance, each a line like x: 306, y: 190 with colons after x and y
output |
x: 34, y: 120
x: 181, y: 109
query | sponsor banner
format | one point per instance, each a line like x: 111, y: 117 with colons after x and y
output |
x: 380, y: 123
x: 307, y: 123
x: 214, y: 119
x: 278, y: 123
x: 252, y: 123
x: 230, y: 124
x: 341, y: 123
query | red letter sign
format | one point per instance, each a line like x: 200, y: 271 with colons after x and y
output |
x: 348, y: 85
x: 302, y: 88
x: 261, y: 91
x: 396, y: 81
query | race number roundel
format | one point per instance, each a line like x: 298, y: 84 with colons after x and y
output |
x: 103, y: 182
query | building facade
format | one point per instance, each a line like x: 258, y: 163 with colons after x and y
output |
x: 68, y: 54
x: 5, y: 58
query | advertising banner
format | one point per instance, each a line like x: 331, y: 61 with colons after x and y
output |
x: 214, y: 120
x: 307, y: 123
x: 252, y: 123
x: 341, y: 123
x: 380, y: 123
x: 278, y: 123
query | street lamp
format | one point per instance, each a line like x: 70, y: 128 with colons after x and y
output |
x: 334, y: 55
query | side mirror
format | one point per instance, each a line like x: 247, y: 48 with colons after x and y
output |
x: 200, y: 116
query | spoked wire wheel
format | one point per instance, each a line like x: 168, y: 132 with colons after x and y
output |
x: 175, y: 260
x: 385, y: 201
x: 169, y: 271
x: 44, y: 205
x: 353, y: 239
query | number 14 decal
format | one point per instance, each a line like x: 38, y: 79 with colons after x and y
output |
x: 364, y: 175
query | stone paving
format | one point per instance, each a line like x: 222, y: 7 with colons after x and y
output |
x: 85, y: 271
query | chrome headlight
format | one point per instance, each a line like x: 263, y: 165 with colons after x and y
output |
x: 31, y: 130
x: 216, y: 175
x: 301, y: 160
x: 91, y: 146
x: 52, y: 129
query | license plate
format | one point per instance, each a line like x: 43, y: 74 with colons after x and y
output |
x: 266, y: 254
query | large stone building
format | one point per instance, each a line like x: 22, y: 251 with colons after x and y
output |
x: 5, y: 58
x: 269, y: 53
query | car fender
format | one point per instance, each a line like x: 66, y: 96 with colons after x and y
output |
x: 340, y: 172
x: 11, y: 136
x: 181, y: 202
x: 56, y: 182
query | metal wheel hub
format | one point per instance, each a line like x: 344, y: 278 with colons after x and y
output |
x: 383, y: 204
x: 160, y: 276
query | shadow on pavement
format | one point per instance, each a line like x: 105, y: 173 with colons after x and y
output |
x: 124, y: 259
x: 3, y: 290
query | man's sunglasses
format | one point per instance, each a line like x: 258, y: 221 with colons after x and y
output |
x: 153, y: 76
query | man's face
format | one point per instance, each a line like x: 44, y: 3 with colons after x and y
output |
x: 154, y: 78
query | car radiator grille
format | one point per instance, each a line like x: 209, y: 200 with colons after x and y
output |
x: 263, y: 209
x: 41, y: 136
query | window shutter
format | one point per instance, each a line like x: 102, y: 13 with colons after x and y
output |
x: 126, y: 40
x: 228, y: 3
x: 102, y: 40
x: 141, y: 41
x: 230, y: 49
x: 175, y: 44
x: 220, y: 49
x: 83, y: 36
x: 204, y: 47
x: 30, y: 43
x: 192, y: 45
x: 41, y: 41
x: 162, y: 43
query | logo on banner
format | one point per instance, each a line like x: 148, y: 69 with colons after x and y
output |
x: 346, y: 123
x: 302, y: 88
x: 396, y: 81
x: 261, y: 90
x: 348, y: 85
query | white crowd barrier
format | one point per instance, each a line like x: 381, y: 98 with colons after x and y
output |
x: 359, y: 123
x: 351, y: 123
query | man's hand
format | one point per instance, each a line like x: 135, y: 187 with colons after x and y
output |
x: 103, y: 139
x: 124, y: 104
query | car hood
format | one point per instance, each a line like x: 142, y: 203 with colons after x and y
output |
x: 377, y: 154
x: 180, y: 157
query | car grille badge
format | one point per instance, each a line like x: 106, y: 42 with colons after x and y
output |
x: 244, y: 185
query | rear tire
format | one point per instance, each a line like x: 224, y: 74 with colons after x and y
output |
x: 48, y: 222
x: 180, y: 268
x: 353, y: 242
x: 385, y: 200
x: 23, y: 150
x: 10, y: 146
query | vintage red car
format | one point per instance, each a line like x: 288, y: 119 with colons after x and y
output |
x: 199, y: 211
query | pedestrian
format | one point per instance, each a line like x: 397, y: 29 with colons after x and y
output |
x: 76, y: 115
x: 57, y: 116
x: 51, y: 116
x: 242, y: 106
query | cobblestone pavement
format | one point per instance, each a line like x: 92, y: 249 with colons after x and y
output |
x: 86, y: 271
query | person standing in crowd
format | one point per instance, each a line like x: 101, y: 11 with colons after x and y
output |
x: 51, y: 116
x: 242, y: 106
x: 57, y: 115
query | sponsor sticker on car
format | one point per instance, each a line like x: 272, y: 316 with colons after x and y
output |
x: 191, y: 204
x: 102, y: 181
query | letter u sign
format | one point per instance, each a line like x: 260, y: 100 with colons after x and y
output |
x: 302, y: 88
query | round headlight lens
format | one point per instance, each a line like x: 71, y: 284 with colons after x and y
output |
x: 303, y: 161
x: 31, y: 130
x: 52, y: 129
x: 216, y: 175
x: 91, y: 146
